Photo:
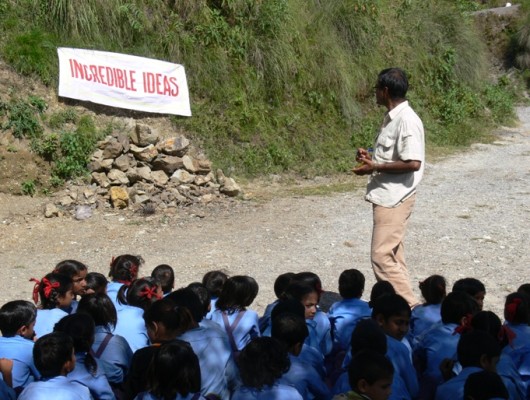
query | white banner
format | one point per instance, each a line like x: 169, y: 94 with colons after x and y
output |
x: 124, y: 81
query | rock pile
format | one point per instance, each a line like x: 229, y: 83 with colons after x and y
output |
x: 143, y: 170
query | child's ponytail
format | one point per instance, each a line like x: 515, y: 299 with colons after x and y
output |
x: 141, y: 293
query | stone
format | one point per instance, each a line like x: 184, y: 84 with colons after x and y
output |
x: 144, y: 135
x: 113, y: 149
x: 145, y: 173
x: 89, y: 192
x: 141, y: 198
x: 159, y: 178
x: 207, y: 198
x: 123, y: 163
x: 168, y: 164
x: 146, y: 154
x: 83, y: 212
x: 230, y: 187
x: 201, y: 180
x: 97, y: 155
x: 175, y: 146
x: 106, y: 164
x: 103, y: 143
x: 51, y: 210
x: 182, y: 176
x: 124, y: 141
x: 196, y: 166
x: 66, y: 201
x: 117, y: 177
x: 100, y: 178
x: 119, y: 197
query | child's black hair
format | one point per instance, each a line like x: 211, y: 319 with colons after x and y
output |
x: 101, y: 308
x: 457, y: 305
x: 475, y: 344
x: 186, y: 297
x: 298, y: 291
x: 370, y: 366
x: 517, y: 308
x: 16, y: 314
x: 471, y: 286
x: 70, y: 267
x: 281, y: 282
x: 525, y: 289
x: 485, y: 385
x: 292, y: 306
x: 488, y: 321
x: 51, y: 352
x: 351, y: 284
x: 50, y: 288
x: 175, y: 318
x: 174, y: 370
x: 380, y: 288
x: 125, y: 268
x: 309, y: 278
x: 290, y: 329
x: 165, y: 276
x: 141, y: 293
x: 262, y: 362
x: 97, y: 282
x: 238, y: 293
x: 368, y: 335
x: 81, y: 328
x: 203, y: 294
x: 433, y: 289
x: 214, y: 281
x: 389, y: 305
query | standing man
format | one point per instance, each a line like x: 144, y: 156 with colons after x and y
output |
x: 396, y: 168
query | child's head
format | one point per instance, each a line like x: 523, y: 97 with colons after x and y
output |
x: 286, y: 305
x: 370, y: 374
x: 433, y: 289
x: 101, y: 308
x: 141, y: 293
x: 77, y: 271
x: 203, y: 294
x: 238, y: 292
x: 124, y: 268
x: 53, y: 355
x: 351, y: 284
x: 310, y: 278
x: 392, y: 313
x: 54, y: 290
x: 291, y: 330
x: 262, y: 362
x: 96, y: 283
x: 524, y: 289
x: 18, y: 318
x: 281, y: 283
x: 164, y: 275
x: 305, y: 294
x: 478, y: 349
x: 474, y: 288
x: 456, y: 307
x: 174, y: 371
x: 485, y: 385
x: 165, y: 321
x: 186, y: 297
x: 517, y: 309
x: 368, y: 335
x: 380, y: 288
x: 489, y: 322
x: 214, y: 281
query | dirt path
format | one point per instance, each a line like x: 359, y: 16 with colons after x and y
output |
x: 471, y: 219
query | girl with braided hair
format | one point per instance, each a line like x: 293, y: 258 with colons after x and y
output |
x: 56, y: 294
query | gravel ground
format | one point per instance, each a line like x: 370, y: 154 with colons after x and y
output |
x: 471, y: 220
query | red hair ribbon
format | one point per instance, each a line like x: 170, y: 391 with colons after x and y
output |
x: 35, y: 294
x: 511, y: 308
x: 506, y: 333
x: 48, y: 286
x: 134, y: 271
x: 465, y: 327
x: 150, y: 292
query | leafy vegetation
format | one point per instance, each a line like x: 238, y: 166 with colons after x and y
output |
x: 276, y: 85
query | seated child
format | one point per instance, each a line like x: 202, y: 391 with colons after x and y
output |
x: 370, y: 376
x: 380, y: 288
x: 280, y: 284
x: 345, y: 314
x: 96, y: 283
x: 440, y: 342
x: 476, y: 351
x: 204, y: 296
x: 123, y: 270
x: 56, y: 295
x: 517, y: 317
x: 428, y: 314
x: 165, y: 276
x: 214, y: 281
x: 291, y: 330
x: 80, y: 327
x: 484, y: 385
x: 77, y: 271
x: 262, y: 363
x: 54, y: 358
x: 474, y: 288
x: 174, y: 374
x: 17, y: 320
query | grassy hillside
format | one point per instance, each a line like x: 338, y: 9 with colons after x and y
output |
x: 283, y: 85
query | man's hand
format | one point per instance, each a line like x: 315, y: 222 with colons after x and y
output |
x: 367, y: 165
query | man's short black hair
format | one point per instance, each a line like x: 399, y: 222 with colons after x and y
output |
x: 16, y: 314
x: 395, y: 79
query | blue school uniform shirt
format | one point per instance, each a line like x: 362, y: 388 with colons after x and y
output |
x: 57, y: 388
x: 97, y: 383
x: 319, y: 333
x: 401, y: 359
x: 343, y: 317
x: 6, y: 393
x: 454, y: 388
x: 20, y: 350
x: 112, y: 291
x: 219, y: 374
x: 265, y: 319
x: 277, y: 391
x: 314, y: 358
x: 213, y: 307
x: 46, y: 320
x: 510, y: 375
x: 150, y: 396
x: 116, y: 357
x: 131, y: 326
x: 246, y: 329
x: 423, y: 318
x: 433, y: 347
x: 522, y: 334
x: 306, y: 380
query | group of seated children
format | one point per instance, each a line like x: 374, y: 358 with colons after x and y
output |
x: 138, y: 338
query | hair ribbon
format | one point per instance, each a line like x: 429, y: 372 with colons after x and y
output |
x: 511, y: 309
x: 35, y: 294
x: 466, y: 326
x: 150, y: 292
